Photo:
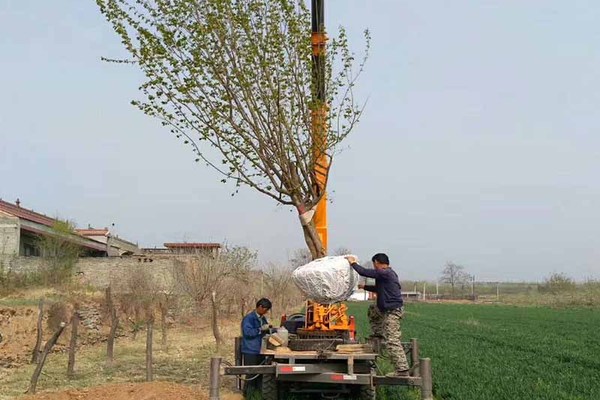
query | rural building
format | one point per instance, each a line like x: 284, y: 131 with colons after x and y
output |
x: 115, y: 246
x: 186, y: 249
x: 22, y: 228
x: 361, y: 295
x: 412, y: 295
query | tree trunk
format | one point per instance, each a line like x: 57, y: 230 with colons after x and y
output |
x: 215, y: 321
x: 229, y: 305
x: 164, y: 309
x: 138, y: 321
x: 35, y: 356
x: 243, y: 307
x: 313, y: 241
x: 38, y: 370
x: 149, y: 332
x: 114, y: 324
x: 73, y: 344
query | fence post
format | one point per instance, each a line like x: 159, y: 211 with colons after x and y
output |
x: 414, y: 356
x: 215, y: 370
x: 238, y: 360
x: 426, y: 379
x: 35, y: 356
x: 73, y: 344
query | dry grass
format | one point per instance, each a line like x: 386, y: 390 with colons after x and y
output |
x: 185, y: 360
x: 585, y: 297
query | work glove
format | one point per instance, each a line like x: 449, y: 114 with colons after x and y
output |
x: 265, y: 328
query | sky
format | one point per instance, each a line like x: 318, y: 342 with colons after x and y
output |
x: 479, y: 143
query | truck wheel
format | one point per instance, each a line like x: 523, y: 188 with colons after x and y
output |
x: 269, y: 387
x: 364, y: 392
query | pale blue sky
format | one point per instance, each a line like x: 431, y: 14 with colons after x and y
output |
x: 479, y: 143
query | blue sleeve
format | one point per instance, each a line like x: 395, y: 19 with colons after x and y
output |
x: 362, y: 271
x: 370, y: 288
x: 248, y: 330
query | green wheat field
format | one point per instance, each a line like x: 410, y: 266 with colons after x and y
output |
x: 500, y: 352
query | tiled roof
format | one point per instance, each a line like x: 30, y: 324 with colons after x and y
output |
x: 26, y: 214
x: 192, y: 245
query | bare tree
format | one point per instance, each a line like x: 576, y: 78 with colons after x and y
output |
x: 281, y: 289
x: 149, y: 340
x: 141, y: 292
x: 206, y: 279
x: 342, y: 251
x: 300, y: 257
x: 214, y: 307
x: 237, y: 76
x: 454, y: 274
x: 114, y: 324
x: 59, y: 252
x: 166, y: 300
x: 199, y: 276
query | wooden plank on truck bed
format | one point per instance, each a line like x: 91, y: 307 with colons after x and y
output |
x: 354, y: 348
x: 313, y: 355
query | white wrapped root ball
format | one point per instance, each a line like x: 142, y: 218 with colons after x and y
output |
x: 326, y: 280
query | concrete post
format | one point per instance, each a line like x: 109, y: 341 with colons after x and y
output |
x: 426, y: 379
x: 215, y: 375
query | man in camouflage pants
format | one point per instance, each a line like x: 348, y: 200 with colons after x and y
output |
x: 385, y: 317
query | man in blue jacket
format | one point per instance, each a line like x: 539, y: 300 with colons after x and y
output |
x: 254, y: 327
x: 385, y: 317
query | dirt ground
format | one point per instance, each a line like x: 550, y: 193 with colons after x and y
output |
x: 180, y: 369
x: 17, y: 326
x: 127, y: 391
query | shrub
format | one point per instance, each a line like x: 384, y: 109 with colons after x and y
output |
x: 557, y: 283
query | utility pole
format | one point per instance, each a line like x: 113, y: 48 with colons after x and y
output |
x: 319, y: 116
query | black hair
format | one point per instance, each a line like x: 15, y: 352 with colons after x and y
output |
x: 265, y: 303
x: 381, y: 258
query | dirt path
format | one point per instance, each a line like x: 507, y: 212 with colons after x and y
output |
x: 127, y: 391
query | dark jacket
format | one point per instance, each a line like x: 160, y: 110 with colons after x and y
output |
x: 251, y: 333
x: 387, y: 286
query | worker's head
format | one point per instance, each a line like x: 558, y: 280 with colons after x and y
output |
x: 263, y: 306
x: 380, y: 261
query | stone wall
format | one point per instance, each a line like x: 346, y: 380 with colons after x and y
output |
x: 101, y: 271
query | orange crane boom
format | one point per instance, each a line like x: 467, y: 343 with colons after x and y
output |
x: 322, y: 319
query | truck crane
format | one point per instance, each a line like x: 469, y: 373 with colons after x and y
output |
x: 323, y: 357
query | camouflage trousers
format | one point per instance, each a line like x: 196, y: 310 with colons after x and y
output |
x: 387, y: 325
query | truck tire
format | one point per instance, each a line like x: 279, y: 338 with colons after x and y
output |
x: 269, y: 387
x: 365, y: 392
